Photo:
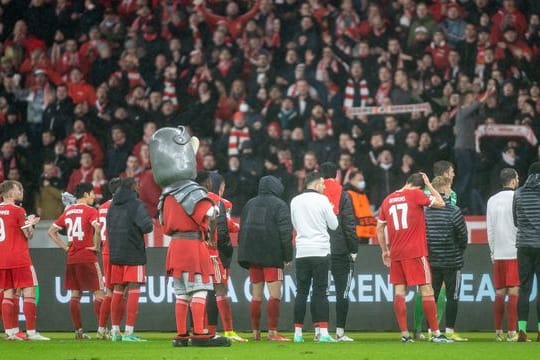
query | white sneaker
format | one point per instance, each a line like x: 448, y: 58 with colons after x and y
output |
x: 15, y: 337
x: 344, y: 338
x: 37, y: 337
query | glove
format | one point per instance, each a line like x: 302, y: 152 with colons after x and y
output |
x: 353, y: 257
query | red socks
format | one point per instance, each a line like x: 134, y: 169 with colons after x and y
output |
x: 97, y: 307
x: 105, y: 311
x: 400, y: 308
x: 255, y: 314
x: 511, y: 312
x: 29, y: 308
x: 180, y: 309
x: 225, y: 312
x: 198, y: 308
x: 117, y: 307
x: 8, y: 311
x: 498, y: 311
x: 75, y: 310
x: 430, y: 312
x: 132, y: 306
x: 1, y: 300
x: 272, y: 312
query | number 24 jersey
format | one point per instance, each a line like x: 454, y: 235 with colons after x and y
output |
x: 403, y: 213
x: 78, y: 220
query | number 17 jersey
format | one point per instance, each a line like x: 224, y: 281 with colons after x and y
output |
x: 403, y: 213
x: 78, y: 220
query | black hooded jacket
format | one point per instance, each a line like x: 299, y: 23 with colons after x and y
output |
x: 265, y: 237
x: 526, y: 209
x: 127, y: 222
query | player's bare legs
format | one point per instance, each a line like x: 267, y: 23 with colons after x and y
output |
x: 255, y: 309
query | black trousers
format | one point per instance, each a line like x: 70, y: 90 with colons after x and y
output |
x: 341, y: 267
x: 528, y: 265
x: 312, y: 270
x: 452, y: 281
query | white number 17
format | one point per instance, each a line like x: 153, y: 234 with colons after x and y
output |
x: 401, y: 208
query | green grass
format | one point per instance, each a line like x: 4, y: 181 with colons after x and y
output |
x: 367, y: 346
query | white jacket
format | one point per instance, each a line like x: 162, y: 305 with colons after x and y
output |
x: 500, y: 226
x: 311, y: 215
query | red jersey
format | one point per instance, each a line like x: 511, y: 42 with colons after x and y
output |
x: 14, y: 251
x: 102, y: 218
x: 79, y: 220
x: 403, y: 212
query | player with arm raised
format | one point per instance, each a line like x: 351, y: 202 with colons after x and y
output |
x: 402, y: 213
x: 82, y: 269
x: 16, y: 269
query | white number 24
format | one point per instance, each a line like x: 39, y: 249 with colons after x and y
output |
x: 74, y: 229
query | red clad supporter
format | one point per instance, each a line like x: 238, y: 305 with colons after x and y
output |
x: 150, y: 195
x: 439, y: 50
x: 80, y: 140
x: 82, y: 269
x: 71, y: 58
x: 85, y: 173
x: 127, y: 8
x: 79, y: 90
x: 507, y: 15
x: 16, y: 269
x: 233, y: 21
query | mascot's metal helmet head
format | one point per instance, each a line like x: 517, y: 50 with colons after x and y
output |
x: 173, y: 155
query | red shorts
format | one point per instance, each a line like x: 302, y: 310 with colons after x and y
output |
x: 106, y: 270
x: 221, y: 275
x: 18, y: 278
x: 410, y: 272
x: 505, y: 273
x: 259, y: 274
x: 123, y: 274
x: 83, y: 276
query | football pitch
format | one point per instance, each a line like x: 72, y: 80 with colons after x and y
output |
x: 367, y: 346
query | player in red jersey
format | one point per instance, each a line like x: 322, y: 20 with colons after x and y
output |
x: 217, y: 300
x: 105, y: 310
x: 402, y: 213
x: 16, y: 270
x: 82, y: 269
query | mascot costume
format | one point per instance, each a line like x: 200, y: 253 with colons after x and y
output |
x: 188, y: 216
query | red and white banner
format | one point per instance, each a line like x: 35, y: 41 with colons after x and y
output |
x: 390, y: 109
x: 476, y: 227
x: 500, y: 130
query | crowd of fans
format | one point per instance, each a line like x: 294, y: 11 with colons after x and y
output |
x: 268, y: 86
